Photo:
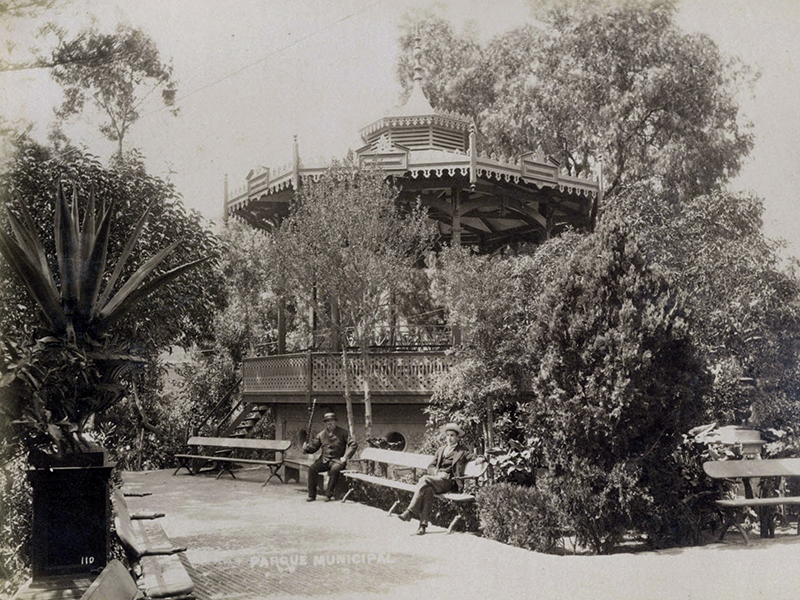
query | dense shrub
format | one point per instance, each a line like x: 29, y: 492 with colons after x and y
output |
x: 16, y: 512
x: 520, y: 516
x: 616, y: 378
x: 685, y: 510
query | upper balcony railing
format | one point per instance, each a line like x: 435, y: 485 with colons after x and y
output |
x: 413, y: 373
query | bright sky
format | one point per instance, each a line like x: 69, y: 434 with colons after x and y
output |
x: 252, y: 73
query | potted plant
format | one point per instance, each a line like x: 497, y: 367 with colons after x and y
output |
x: 72, y: 370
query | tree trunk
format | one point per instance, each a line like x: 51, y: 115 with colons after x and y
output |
x: 348, y: 400
x: 336, y: 343
x: 489, y: 424
x: 367, y: 398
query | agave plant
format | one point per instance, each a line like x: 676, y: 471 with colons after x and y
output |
x: 73, y: 370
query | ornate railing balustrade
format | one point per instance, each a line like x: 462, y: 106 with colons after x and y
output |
x: 390, y: 373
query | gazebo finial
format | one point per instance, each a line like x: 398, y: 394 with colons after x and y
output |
x: 417, y: 54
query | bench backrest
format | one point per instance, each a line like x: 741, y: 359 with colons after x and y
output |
x: 768, y: 467
x: 113, y: 583
x: 247, y: 443
x: 393, y: 457
x: 416, y: 461
x: 474, y: 469
x: 120, y: 506
x: 123, y: 523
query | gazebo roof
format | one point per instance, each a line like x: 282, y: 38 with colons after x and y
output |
x: 432, y: 155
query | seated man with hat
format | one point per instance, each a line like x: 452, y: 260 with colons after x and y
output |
x: 337, y: 448
x: 448, y: 463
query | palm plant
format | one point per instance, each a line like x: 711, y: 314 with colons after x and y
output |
x: 73, y: 369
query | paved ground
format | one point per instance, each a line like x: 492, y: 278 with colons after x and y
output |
x: 247, y: 542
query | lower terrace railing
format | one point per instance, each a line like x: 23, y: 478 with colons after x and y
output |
x: 395, y: 372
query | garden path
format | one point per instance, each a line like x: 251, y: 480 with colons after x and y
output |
x: 246, y: 542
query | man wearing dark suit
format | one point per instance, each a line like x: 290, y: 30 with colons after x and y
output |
x: 337, y: 448
x: 448, y: 463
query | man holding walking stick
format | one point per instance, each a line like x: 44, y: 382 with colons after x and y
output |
x: 337, y: 448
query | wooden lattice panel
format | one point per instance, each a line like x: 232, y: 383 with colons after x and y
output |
x: 396, y: 372
x: 412, y: 372
x: 287, y: 373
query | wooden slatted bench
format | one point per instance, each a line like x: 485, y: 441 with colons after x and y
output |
x: 416, y: 463
x: 746, y: 470
x: 114, y: 583
x: 153, y: 555
x: 225, y: 462
x: 137, y: 515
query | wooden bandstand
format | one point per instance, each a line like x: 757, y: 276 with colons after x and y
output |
x: 486, y: 201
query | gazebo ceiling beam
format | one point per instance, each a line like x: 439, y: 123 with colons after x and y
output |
x: 487, y: 224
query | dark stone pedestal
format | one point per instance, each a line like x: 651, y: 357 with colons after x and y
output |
x: 71, y: 517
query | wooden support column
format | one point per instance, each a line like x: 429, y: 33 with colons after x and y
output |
x: 312, y: 318
x: 392, y: 319
x: 455, y: 200
x: 282, y: 325
x: 550, y: 222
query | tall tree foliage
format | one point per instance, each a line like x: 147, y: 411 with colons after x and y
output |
x: 617, y: 80
x: 251, y: 276
x: 496, y: 301
x: 346, y: 248
x: 117, y: 72
x: 745, y: 298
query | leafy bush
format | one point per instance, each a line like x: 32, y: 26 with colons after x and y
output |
x: 520, y: 516
x: 516, y: 463
x: 686, y: 509
x: 16, y: 512
x: 615, y: 379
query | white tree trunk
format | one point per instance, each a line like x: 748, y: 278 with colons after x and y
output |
x: 348, y: 400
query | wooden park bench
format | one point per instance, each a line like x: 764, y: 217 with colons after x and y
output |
x: 154, y: 557
x: 114, y: 583
x: 226, y: 461
x: 418, y: 465
x: 745, y: 470
x: 294, y: 465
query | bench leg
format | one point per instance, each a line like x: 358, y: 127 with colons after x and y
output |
x: 743, y: 532
x: 274, y: 473
x: 291, y: 473
x: 184, y: 465
x: 391, y: 510
x: 732, y: 520
x: 222, y: 469
x: 453, y: 524
x: 350, y: 491
x: 767, y: 522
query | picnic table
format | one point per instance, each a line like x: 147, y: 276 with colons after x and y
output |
x: 747, y: 471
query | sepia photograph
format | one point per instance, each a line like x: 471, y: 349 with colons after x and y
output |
x: 396, y: 299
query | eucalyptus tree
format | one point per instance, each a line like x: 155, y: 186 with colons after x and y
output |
x: 591, y: 79
x: 116, y: 72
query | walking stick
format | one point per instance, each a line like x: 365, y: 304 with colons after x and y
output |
x: 310, y: 419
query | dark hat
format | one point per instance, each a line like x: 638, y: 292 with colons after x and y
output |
x: 329, y: 416
x: 453, y: 427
